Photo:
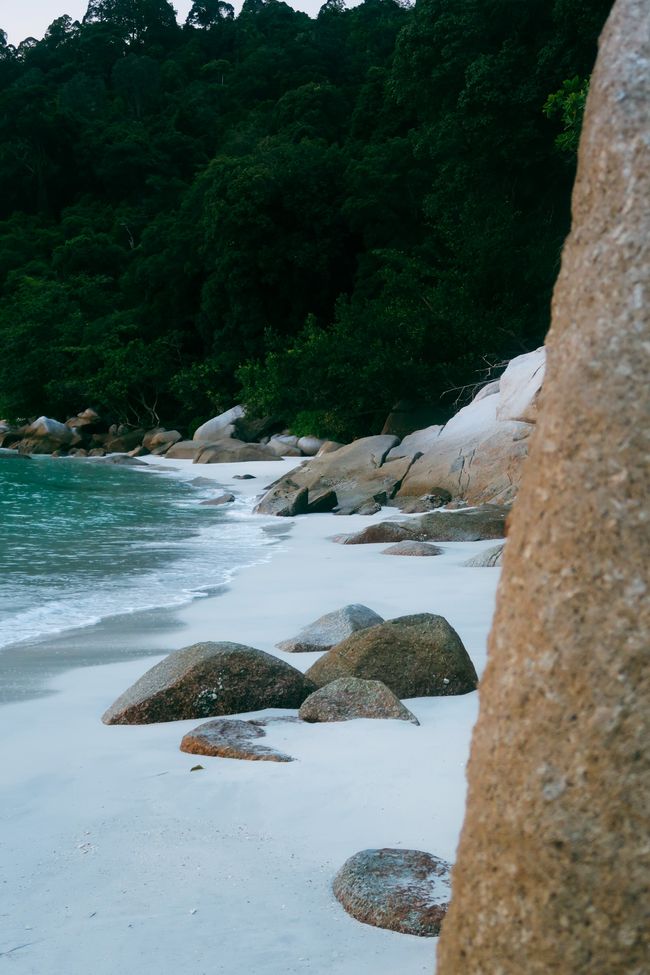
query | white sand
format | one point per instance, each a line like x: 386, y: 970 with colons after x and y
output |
x: 115, y: 858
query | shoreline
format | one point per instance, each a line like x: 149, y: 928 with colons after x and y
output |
x: 28, y: 665
x: 133, y: 860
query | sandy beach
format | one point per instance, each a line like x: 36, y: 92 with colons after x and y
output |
x: 118, y: 858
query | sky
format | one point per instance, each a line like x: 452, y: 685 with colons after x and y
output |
x: 31, y: 18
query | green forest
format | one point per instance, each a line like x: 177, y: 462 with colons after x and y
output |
x: 315, y: 216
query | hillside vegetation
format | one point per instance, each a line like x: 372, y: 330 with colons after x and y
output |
x: 320, y: 216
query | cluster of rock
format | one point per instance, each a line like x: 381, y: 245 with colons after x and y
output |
x: 368, y: 664
x: 85, y: 435
x: 476, y: 457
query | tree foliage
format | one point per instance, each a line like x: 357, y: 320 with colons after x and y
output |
x: 320, y: 215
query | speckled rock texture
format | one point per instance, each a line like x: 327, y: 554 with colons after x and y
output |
x: 402, y: 890
x: 231, y: 738
x: 416, y: 656
x: 379, y: 533
x: 207, y: 680
x: 553, y: 871
x: 348, y: 478
x: 466, y: 525
x: 332, y: 628
x: 489, y: 558
x: 413, y: 548
x: 350, y: 697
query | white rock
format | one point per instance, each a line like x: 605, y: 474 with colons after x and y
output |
x: 519, y: 387
x: 490, y: 389
x: 46, y: 427
x: 310, y: 445
x: 416, y: 443
x: 219, y: 426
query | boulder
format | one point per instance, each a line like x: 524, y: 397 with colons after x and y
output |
x: 232, y: 452
x: 243, y: 477
x: 330, y: 629
x: 50, y: 430
x: 184, y: 450
x: 554, y: 860
x: 124, y: 441
x: 350, y: 697
x: 368, y: 508
x: 478, y: 455
x: 287, y: 439
x: 520, y: 386
x: 355, y: 473
x: 280, y: 448
x: 160, y: 437
x: 416, y: 656
x: 419, y: 506
x: 379, y: 533
x: 219, y: 427
x: 37, y: 445
x: 464, y: 525
x: 221, y: 499
x: 413, y: 548
x: 416, y: 443
x: 488, y: 558
x: 207, y: 680
x: 310, y: 446
x: 87, y: 423
x: 329, y: 447
x: 231, y: 738
x: 286, y: 499
x: 401, y: 890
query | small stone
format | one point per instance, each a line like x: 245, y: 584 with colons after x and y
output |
x: 221, y: 499
x: 231, y: 738
x: 412, y: 548
x: 401, y: 890
x: 350, y: 697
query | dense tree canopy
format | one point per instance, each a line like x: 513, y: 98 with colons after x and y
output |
x: 320, y: 215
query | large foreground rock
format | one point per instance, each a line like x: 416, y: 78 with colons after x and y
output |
x: 479, y: 454
x: 348, y: 478
x: 416, y: 656
x: 350, y: 697
x: 207, y: 680
x: 402, y: 890
x: 554, y: 862
x: 332, y: 628
x: 231, y: 738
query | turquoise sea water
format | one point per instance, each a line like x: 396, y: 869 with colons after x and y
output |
x: 83, y: 541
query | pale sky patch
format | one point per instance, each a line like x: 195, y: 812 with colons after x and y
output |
x: 31, y: 18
